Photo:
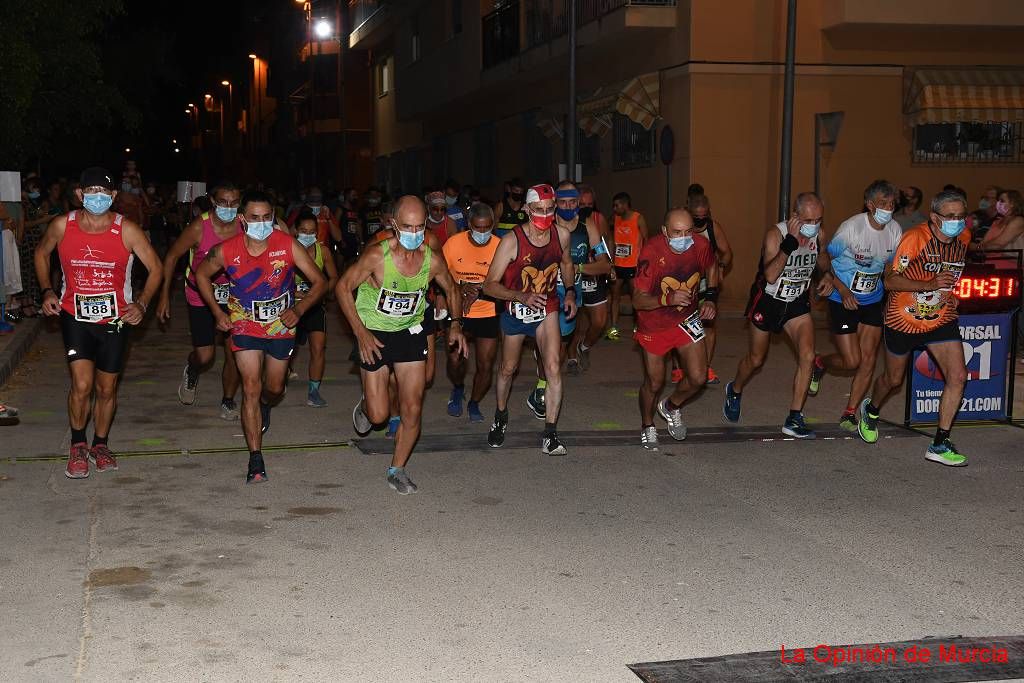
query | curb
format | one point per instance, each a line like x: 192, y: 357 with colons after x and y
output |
x: 21, y: 341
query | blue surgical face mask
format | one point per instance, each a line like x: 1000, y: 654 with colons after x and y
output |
x: 450, y: 201
x: 810, y: 230
x: 882, y: 216
x: 680, y: 244
x: 315, y: 210
x: 984, y: 205
x: 952, y: 228
x: 226, y: 214
x: 259, y: 230
x: 480, y: 237
x: 97, y: 203
x: 567, y: 214
x: 33, y: 195
x: 410, y: 240
x: 306, y: 239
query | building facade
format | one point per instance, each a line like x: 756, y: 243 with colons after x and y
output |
x: 919, y: 92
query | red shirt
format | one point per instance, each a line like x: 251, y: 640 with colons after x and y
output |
x: 535, y: 269
x: 96, y: 272
x: 661, y: 270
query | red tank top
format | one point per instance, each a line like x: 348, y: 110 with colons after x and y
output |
x: 535, y: 269
x: 261, y: 286
x: 96, y: 286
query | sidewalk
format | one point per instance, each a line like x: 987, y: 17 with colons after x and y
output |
x: 13, y: 347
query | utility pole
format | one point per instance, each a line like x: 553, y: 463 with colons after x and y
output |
x: 786, y: 163
x: 570, y: 119
x: 342, y: 118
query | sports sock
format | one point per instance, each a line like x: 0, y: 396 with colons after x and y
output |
x: 940, y: 436
x: 78, y: 435
x: 98, y: 440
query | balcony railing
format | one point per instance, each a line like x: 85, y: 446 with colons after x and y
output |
x: 545, y: 20
x: 360, y: 11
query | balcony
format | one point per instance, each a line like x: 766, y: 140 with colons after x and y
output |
x: 543, y: 21
x: 875, y: 14
x: 367, y: 17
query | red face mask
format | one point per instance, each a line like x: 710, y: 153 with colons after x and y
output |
x: 542, y: 222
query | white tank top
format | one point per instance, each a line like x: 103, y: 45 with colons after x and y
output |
x: 796, y: 276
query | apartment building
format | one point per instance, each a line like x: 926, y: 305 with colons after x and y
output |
x: 922, y: 92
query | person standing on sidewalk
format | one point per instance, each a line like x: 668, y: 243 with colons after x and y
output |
x: 97, y: 249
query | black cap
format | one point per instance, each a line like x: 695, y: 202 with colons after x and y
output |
x: 96, y: 177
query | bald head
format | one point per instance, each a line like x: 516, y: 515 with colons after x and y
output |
x: 410, y: 213
x: 678, y: 222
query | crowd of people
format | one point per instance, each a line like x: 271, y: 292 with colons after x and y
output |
x: 542, y: 268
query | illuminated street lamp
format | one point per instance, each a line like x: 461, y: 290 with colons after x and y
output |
x: 322, y: 28
x: 252, y: 56
x: 127, y: 150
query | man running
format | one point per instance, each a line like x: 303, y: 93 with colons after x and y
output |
x: 312, y: 325
x: 451, y: 200
x: 203, y: 234
x: 347, y: 218
x: 921, y: 311
x: 594, y: 287
x: 780, y: 301
x: 524, y: 273
x: 386, y: 316
x: 371, y: 217
x: 469, y: 255
x: 669, y: 319
x: 327, y: 230
x: 708, y: 227
x: 859, y: 251
x: 630, y: 233
x: 97, y: 249
x: 438, y: 219
x: 510, y: 210
x: 260, y: 264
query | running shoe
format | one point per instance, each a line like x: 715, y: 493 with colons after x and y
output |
x: 78, y: 462
x: 535, y: 402
x: 392, y: 427
x: 945, y: 454
x: 265, y: 417
x: 868, y: 425
x: 315, y: 400
x: 584, y: 356
x: 496, y: 437
x: 817, y: 372
x: 572, y: 367
x: 550, y: 445
x: 674, y: 418
x: 292, y: 375
x: 731, y: 407
x: 360, y: 422
x: 797, y: 428
x: 649, y: 438
x: 677, y: 375
x: 612, y: 334
x: 257, y: 473
x: 188, y: 386
x: 102, y: 458
x: 455, y: 402
x: 848, y: 423
x: 712, y: 377
x: 473, y: 408
x: 400, y: 482
x: 228, y: 410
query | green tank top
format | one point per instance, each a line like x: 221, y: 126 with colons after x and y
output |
x: 399, y: 303
x: 318, y: 257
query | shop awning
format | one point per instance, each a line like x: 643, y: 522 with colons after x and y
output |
x: 638, y: 98
x: 954, y: 95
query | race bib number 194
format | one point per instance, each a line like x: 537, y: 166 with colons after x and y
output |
x: 398, y: 304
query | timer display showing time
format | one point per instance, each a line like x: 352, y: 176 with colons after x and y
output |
x: 988, y: 287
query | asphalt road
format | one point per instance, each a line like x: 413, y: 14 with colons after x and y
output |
x: 508, y: 565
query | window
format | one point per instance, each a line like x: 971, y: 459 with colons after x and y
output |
x: 969, y: 142
x: 485, y: 154
x: 588, y: 152
x: 634, y: 145
x: 414, y: 45
x: 384, y: 77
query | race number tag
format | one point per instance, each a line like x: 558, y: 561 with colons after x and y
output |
x: 526, y: 314
x: 623, y: 250
x: 864, y: 283
x: 220, y: 293
x: 789, y: 290
x: 92, y: 308
x: 270, y: 310
x: 693, y: 327
x: 588, y: 285
x: 398, y: 304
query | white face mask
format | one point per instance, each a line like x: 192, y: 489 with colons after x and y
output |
x: 480, y: 237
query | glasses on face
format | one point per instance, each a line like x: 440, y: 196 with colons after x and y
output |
x: 93, y: 190
x: 543, y: 211
x: 952, y: 216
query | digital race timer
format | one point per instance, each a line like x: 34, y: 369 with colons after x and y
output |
x: 991, y: 285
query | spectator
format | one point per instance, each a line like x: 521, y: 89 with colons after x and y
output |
x: 909, y: 213
x: 38, y: 213
x: 981, y: 220
x: 1007, y: 232
x: 10, y: 272
x: 8, y: 415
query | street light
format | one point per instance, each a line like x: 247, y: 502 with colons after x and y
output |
x: 127, y: 150
x: 252, y: 56
x: 323, y: 29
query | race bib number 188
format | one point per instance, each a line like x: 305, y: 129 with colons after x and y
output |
x: 92, y: 308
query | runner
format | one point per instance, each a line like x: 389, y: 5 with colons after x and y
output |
x: 669, y: 319
x: 526, y: 266
x: 469, y: 255
x: 327, y: 230
x: 347, y: 218
x: 510, y: 210
x: 97, y: 249
x: 387, y: 317
x: 451, y: 200
x: 860, y: 250
x: 260, y: 265
x: 630, y: 233
x: 594, y: 287
x: 707, y: 226
x: 371, y: 218
x: 780, y: 301
x: 201, y: 235
x: 313, y: 324
x: 921, y: 311
x: 438, y: 220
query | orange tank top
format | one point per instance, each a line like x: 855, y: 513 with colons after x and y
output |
x: 627, y: 240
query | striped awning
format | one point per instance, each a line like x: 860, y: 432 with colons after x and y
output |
x: 638, y: 98
x: 551, y: 127
x: 956, y: 95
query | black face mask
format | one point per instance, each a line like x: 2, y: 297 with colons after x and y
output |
x: 516, y: 196
x: 585, y: 212
x: 701, y: 223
